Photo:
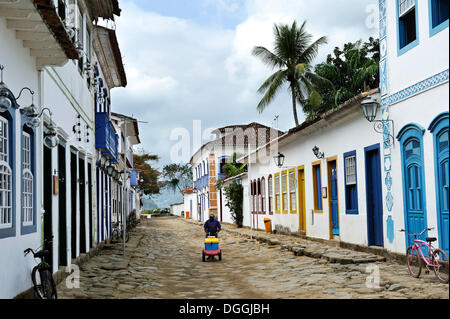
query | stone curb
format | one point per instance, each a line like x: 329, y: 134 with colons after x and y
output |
x: 60, y: 275
x: 334, y: 254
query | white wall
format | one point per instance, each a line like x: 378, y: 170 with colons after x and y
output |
x: 426, y: 107
x: 177, y: 209
x: 430, y: 57
x: 352, y: 133
x: 20, y: 71
x: 187, y: 205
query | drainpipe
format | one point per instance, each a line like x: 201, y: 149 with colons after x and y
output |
x: 40, y: 151
x: 251, y: 199
x: 125, y: 187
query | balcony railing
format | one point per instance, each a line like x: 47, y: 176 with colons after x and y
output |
x: 202, y: 182
x: 105, y: 137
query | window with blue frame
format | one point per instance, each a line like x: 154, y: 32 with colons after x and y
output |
x: 27, y: 179
x: 6, y: 177
x: 439, y: 14
x: 351, y: 190
x: 407, y: 24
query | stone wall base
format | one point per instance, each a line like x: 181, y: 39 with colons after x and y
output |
x: 62, y: 274
x: 379, y: 251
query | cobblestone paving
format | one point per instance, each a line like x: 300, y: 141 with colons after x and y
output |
x: 164, y: 261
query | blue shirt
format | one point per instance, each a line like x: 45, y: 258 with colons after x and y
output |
x: 212, y: 226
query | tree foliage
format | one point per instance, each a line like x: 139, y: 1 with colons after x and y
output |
x: 150, y: 175
x: 234, y: 194
x: 293, y: 55
x: 231, y: 169
x: 352, y: 70
x: 177, y: 176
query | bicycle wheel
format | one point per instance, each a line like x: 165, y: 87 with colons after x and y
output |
x: 43, y: 283
x: 127, y: 237
x: 414, y: 261
x: 441, y: 271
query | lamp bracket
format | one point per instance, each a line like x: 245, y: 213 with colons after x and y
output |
x: 383, y: 127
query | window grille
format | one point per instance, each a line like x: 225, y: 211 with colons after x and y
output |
x: 27, y: 198
x: 350, y: 170
x: 5, y: 196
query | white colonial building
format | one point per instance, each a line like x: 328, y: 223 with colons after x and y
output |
x: 58, y: 67
x: 414, y: 72
x: 207, y: 164
x: 365, y: 182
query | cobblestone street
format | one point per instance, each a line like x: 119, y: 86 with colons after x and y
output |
x: 164, y: 261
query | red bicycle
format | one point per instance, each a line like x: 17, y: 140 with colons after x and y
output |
x: 437, y: 258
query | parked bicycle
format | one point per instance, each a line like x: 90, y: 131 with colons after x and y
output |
x: 132, y: 221
x: 437, y: 258
x: 117, y: 233
x: 41, y: 276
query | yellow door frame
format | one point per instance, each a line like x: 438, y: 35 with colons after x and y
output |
x: 301, y: 198
x: 276, y: 210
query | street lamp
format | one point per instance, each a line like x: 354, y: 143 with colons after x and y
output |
x: 279, y: 159
x: 370, y: 108
x: 317, y: 153
x: 110, y: 170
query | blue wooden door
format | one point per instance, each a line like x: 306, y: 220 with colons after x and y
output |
x: 443, y: 192
x: 374, y: 197
x: 414, y: 189
x: 334, y: 200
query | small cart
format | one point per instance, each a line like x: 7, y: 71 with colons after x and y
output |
x: 211, y: 249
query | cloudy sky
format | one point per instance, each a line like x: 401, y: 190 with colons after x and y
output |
x: 191, y: 60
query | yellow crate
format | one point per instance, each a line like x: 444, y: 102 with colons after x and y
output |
x: 213, y: 240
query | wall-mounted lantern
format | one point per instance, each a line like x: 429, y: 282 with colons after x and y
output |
x: 279, y: 160
x: 317, y: 153
x: 370, y: 108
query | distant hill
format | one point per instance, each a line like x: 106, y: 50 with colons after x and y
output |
x: 164, y: 200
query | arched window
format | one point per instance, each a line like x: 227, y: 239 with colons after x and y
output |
x: 252, y: 193
x: 6, y: 216
x: 27, y: 198
x: 258, y: 195
x: 263, y: 195
x: 27, y: 180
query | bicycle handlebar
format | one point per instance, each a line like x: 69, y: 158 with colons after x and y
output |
x: 415, y: 235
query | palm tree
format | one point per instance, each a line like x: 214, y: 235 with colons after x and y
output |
x: 293, y: 54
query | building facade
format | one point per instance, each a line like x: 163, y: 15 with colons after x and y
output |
x: 364, y: 183
x: 207, y: 164
x: 53, y: 53
x: 415, y: 97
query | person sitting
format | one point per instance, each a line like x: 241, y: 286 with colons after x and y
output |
x: 212, y: 226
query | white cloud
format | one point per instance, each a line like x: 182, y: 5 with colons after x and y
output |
x: 179, y: 71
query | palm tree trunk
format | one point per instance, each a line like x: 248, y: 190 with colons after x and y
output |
x: 294, y: 106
